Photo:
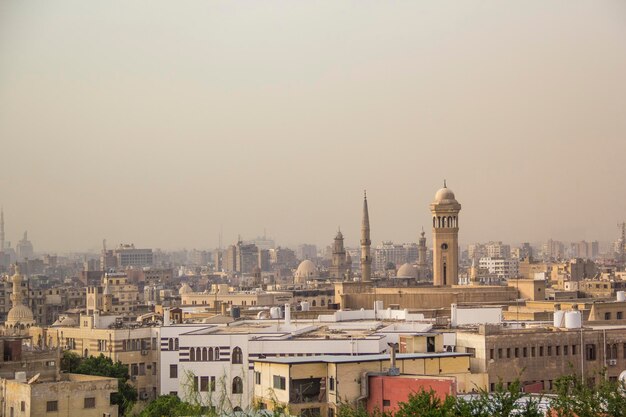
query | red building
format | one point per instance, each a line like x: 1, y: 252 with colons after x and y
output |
x: 385, y: 391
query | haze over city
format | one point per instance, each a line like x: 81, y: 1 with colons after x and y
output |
x: 162, y: 123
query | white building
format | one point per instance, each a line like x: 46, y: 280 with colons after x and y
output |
x: 502, y: 268
x: 215, y: 362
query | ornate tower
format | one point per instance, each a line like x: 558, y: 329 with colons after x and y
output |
x: 20, y: 317
x: 338, y: 266
x: 445, y: 210
x: 366, y: 259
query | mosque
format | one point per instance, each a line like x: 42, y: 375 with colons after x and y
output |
x: 20, y: 317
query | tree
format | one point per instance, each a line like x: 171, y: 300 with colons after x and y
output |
x: 70, y: 361
x: 574, y: 398
x: 166, y: 406
x: 103, y: 366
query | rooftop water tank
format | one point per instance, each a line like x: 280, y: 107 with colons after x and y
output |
x: 559, y: 315
x: 573, y: 320
x: 275, y: 313
x: 621, y: 296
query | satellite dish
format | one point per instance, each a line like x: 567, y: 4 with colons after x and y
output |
x: 33, y: 379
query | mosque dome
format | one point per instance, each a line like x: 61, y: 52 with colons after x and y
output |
x: 20, y: 314
x: 185, y: 289
x: 68, y: 322
x: 306, y: 270
x: 445, y: 195
x: 407, y: 271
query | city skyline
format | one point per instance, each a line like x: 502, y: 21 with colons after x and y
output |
x: 163, y: 124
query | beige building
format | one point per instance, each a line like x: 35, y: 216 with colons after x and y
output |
x: 71, y: 394
x: 221, y: 294
x: 317, y: 385
x: 135, y: 347
x: 445, y: 210
x: 115, y: 295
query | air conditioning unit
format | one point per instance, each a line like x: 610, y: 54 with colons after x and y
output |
x: 144, y: 352
x: 133, y: 378
x: 612, y: 362
x: 143, y: 395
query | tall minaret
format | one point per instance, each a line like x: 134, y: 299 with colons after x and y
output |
x: 421, y: 250
x: 445, y: 210
x: 366, y: 259
x: 1, y: 229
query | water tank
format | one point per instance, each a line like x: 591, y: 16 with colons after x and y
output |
x: 275, y: 312
x: 235, y: 312
x: 305, y: 305
x: 573, y: 320
x: 559, y: 315
x: 621, y: 296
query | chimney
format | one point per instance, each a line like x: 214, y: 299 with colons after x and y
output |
x: 287, y: 314
x: 393, y: 371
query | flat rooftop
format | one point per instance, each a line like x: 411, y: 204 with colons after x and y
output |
x: 358, y: 358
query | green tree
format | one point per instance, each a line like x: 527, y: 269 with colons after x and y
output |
x: 502, y: 402
x: 166, y: 406
x: 103, y: 366
x: 427, y: 404
x: 574, y: 398
x: 70, y: 361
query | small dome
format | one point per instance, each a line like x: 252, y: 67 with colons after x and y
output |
x: 445, y: 195
x: 20, y: 314
x: 185, y: 289
x: 407, y: 271
x: 306, y: 270
x: 68, y: 322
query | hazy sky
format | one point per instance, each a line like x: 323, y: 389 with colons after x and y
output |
x: 157, y: 122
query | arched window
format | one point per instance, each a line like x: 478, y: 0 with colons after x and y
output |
x: 443, y: 221
x: 450, y: 221
x: 204, y: 354
x: 237, y: 355
x: 237, y: 385
x: 175, y: 343
x: 170, y: 344
x: 192, y: 354
x: 313, y: 303
x: 434, y: 222
x: 217, y: 354
x: 329, y: 301
x: 198, y: 354
x: 322, y: 303
x: 86, y: 353
x: 210, y: 353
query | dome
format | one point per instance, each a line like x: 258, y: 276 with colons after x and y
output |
x: 305, y: 271
x: 407, y: 271
x: 445, y: 195
x: 68, y: 322
x: 185, y: 289
x: 20, y: 314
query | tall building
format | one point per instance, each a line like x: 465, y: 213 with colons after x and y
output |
x: 445, y: 210
x: 24, y: 248
x: 339, y: 262
x: 306, y: 251
x: 366, y: 259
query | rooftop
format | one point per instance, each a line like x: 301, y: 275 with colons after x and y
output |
x: 359, y: 358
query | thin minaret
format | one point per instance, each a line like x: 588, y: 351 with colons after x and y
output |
x: 1, y: 229
x: 366, y: 259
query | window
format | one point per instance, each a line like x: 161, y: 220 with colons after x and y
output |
x: 471, y: 351
x: 175, y: 343
x: 508, y: 353
x: 22, y: 406
x: 430, y: 344
x: 386, y: 403
x: 558, y: 351
x: 257, y: 377
x: 525, y: 352
x: 173, y: 371
x: 192, y: 354
x: 210, y: 354
x: 517, y: 352
x: 565, y: 350
x: 607, y: 316
x: 491, y: 354
x: 217, y: 354
x: 574, y: 350
x: 620, y: 315
x: 331, y: 384
x: 195, y: 384
x: 90, y: 402
x: 532, y: 351
x: 204, y: 354
x: 540, y: 350
x: 237, y: 387
x: 500, y: 353
x: 549, y: 350
x: 590, y: 352
x: 279, y: 382
x: 212, y: 383
x: 237, y: 355
x: 52, y: 406
x: 170, y: 344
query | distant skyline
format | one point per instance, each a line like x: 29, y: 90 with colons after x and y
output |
x: 161, y: 122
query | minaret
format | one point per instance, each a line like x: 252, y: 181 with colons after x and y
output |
x: 445, y: 210
x: 366, y: 259
x: 421, y: 250
x: 1, y: 229
x: 338, y: 262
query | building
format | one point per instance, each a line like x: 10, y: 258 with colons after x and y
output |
x: 24, y: 249
x: 126, y: 255
x: 306, y: 251
x: 114, y: 295
x: 221, y: 294
x: 31, y: 384
x: 445, y: 210
x: 133, y: 344
x: 396, y: 254
x: 501, y: 267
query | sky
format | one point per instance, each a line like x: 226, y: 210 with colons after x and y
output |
x: 163, y: 122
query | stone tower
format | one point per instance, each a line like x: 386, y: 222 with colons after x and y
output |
x: 366, y: 259
x: 445, y: 210
x: 339, y: 267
